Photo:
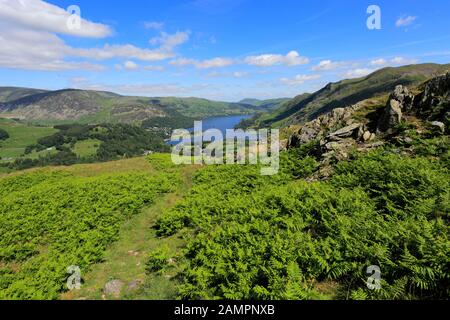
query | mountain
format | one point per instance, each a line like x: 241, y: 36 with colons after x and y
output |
x: 264, y: 104
x: 307, y: 107
x: 8, y: 94
x: 85, y: 106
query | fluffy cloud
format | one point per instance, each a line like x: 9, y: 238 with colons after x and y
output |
x: 378, y: 62
x: 396, y: 61
x: 168, y: 42
x: 405, y: 21
x: 299, y: 79
x: 130, y: 65
x: 326, y: 65
x: 218, y: 62
x: 359, y: 72
x: 151, y: 90
x: 41, y: 16
x: 236, y: 74
x: 30, y: 41
x: 266, y: 60
x: 121, y: 51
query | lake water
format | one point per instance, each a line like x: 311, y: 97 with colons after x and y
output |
x: 220, y: 123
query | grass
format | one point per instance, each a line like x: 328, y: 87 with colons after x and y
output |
x: 125, y: 259
x: 21, y: 136
x: 86, y: 148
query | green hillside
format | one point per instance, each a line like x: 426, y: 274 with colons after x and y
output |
x: 307, y: 107
x: 93, y: 107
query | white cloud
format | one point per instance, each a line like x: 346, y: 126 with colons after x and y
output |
x: 396, y: 61
x: 38, y: 15
x: 299, y: 79
x: 405, y: 21
x: 266, y: 60
x: 214, y: 63
x: 378, y: 62
x: 218, y: 62
x: 168, y: 42
x: 29, y: 40
x: 326, y: 65
x: 121, y: 51
x: 130, y: 65
x: 403, y: 61
x: 154, y: 68
x: 153, y: 25
x: 236, y: 74
x: 357, y: 73
x: 150, y: 90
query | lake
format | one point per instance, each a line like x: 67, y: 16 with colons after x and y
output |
x: 221, y: 123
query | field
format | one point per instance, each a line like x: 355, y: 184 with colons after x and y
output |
x: 21, y: 136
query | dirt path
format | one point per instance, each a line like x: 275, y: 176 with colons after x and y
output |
x: 125, y: 259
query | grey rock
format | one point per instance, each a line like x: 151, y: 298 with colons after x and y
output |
x: 399, y: 100
x: 113, y: 288
x: 134, y: 285
x: 347, y: 131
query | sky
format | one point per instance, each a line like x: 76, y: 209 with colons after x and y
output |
x: 215, y: 49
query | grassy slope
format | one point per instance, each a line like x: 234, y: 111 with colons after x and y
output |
x: 125, y: 259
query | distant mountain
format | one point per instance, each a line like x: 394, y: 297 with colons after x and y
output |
x: 8, y: 94
x: 84, y: 106
x: 265, y: 104
x: 307, y: 107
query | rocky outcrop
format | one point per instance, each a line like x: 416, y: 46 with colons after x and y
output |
x: 339, y: 132
x: 399, y: 100
x: 433, y: 103
x: 318, y: 128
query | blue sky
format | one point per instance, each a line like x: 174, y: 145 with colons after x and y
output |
x: 217, y: 49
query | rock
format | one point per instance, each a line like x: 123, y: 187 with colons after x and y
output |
x: 366, y: 136
x: 304, y: 135
x: 439, y: 126
x: 345, y: 132
x: 435, y: 95
x: 134, y: 285
x: 400, y: 99
x: 113, y: 288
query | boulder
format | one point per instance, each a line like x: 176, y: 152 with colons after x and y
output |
x: 366, y: 136
x: 392, y: 116
x: 345, y: 132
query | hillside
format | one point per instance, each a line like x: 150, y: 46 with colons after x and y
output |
x: 144, y: 228
x: 307, y: 107
x: 8, y: 94
x: 84, y: 106
x: 265, y: 105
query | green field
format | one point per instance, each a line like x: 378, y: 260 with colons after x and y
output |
x: 21, y: 136
x: 86, y: 148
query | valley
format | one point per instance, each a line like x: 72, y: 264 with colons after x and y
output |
x: 361, y: 182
